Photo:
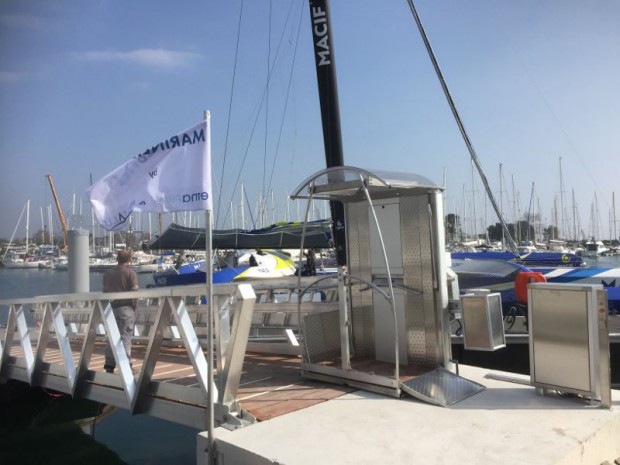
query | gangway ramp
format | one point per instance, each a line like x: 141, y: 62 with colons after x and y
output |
x: 58, y: 342
x: 66, y: 355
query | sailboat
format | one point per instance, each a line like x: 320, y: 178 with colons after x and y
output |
x: 20, y: 257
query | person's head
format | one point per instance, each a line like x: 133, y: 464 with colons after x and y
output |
x: 123, y: 257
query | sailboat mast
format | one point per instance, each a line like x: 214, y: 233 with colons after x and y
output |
x: 529, y: 216
x: 613, y: 206
x: 330, y: 109
x: 42, y: 226
x: 555, y: 217
x: 51, y: 224
x: 27, y: 224
x: 501, y: 202
x: 562, y: 232
x: 515, y: 206
x: 242, y: 211
x: 473, y: 206
x: 576, y: 220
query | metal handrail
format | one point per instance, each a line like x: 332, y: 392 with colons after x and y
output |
x: 139, y: 394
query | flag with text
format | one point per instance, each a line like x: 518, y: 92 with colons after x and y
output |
x: 173, y: 175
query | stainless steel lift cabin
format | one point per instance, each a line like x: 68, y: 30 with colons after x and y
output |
x: 394, y: 292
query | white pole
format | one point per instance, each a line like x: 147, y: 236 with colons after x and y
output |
x: 210, y: 316
x: 92, y: 227
x: 501, y: 203
x: 49, y: 222
x: 233, y: 215
x: 27, y: 224
x: 242, y: 208
x: 42, y: 226
x: 613, y: 206
x: 562, y: 233
x: 273, y: 208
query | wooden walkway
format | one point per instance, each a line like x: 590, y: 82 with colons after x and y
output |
x: 270, y: 385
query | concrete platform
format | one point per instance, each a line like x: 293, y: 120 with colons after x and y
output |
x: 507, y: 423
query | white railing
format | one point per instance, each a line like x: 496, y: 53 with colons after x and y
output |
x: 262, y: 317
x: 39, y: 324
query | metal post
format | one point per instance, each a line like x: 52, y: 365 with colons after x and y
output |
x: 78, y: 261
x: 210, y: 316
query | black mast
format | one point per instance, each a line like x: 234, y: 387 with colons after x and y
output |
x: 330, y: 110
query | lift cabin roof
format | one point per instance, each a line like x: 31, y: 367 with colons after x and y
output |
x: 348, y: 184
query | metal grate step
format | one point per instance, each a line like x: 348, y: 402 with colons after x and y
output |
x: 441, y: 387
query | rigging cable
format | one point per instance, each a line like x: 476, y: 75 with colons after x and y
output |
x: 263, y: 205
x: 232, y: 89
x: 288, y: 93
x: 247, y: 149
x: 459, y: 122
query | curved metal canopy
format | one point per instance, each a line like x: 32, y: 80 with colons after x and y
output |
x: 346, y: 184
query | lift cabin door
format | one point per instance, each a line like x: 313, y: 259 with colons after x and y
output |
x: 388, y: 217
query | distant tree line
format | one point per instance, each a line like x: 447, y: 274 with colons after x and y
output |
x: 520, y: 231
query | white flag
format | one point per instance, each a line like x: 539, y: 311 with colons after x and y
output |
x: 173, y: 175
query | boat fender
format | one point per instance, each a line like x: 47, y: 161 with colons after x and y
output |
x: 523, y: 279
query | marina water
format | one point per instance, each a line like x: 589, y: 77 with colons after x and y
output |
x: 41, y: 427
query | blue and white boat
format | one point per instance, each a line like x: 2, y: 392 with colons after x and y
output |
x: 554, y: 259
x: 267, y: 264
x: 500, y: 276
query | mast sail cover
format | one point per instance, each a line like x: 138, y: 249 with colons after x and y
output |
x: 173, y: 175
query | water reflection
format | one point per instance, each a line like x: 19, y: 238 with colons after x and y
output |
x: 38, y: 426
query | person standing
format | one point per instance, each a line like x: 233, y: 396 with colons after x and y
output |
x: 311, y: 262
x: 121, y: 278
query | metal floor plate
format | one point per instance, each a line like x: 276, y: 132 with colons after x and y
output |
x: 441, y: 387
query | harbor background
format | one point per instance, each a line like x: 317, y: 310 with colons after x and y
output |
x: 23, y: 283
x: 74, y: 431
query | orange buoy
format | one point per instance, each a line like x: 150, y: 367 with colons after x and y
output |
x: 523, y: 279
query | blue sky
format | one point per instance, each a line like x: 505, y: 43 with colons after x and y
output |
x: 87, y: 85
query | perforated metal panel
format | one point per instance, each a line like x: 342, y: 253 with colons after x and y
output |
x: 413, y: 278
x: 423, y: 329
x: 321, y: 336
x: 359, y: 265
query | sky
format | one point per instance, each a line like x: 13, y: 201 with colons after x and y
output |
x: 87, y: 85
